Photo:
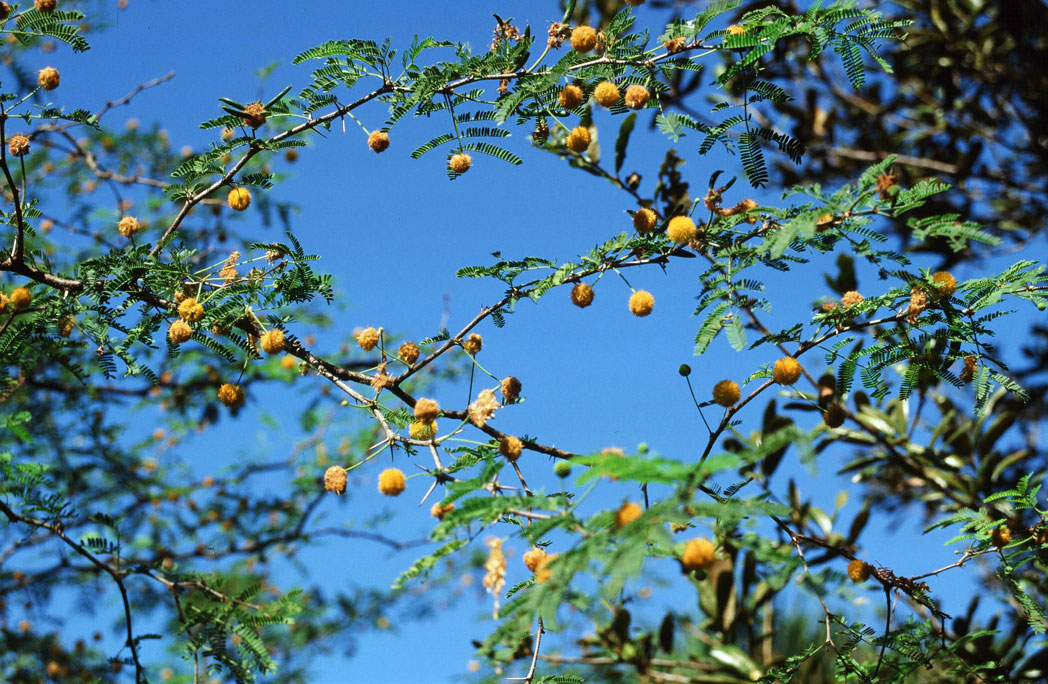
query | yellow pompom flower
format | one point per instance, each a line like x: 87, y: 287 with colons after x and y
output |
x: 542, y: 573
x: 378, y: 141
x: 726, y: 392
x: 422, y: 431
x: 858, y: 571
x: 391, y: 481
x: 698, y: 554
x: 473, y: 344
x: 408, y: 353
x: 288, y: 362
x: 510, y: 389
x: 735, y: 30
x: 426, y: 410
x: 582, y: 295
x: 945, y: 284
x: 787, y: 371
x: 48, y: 78
x: 45, y: 6
x: 606, y: 94
x: 851, y: 298
x: 627, y: 513
x: 583, y: 39
x: 272, y: 341
x: 637, y: 96
x: 128, y: 226
x: 179, y: 332
x: 230, y: 394
x: 190, y: 310
x: 460, y: 163
x: 645, y: 220
x: 681, y: 230
x: 368, y: 339
x: 335, y: 479
x: 641, y: 303
x: 20, y: 298
x: 570, y: 97
x: 532, y: 559
x: 510, y: 447
x: 578, y: 140
x: 239, y: 199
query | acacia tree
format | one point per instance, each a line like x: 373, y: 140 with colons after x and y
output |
x: 138, y: 301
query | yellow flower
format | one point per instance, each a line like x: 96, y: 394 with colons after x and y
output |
x: 391, y: 482
x: 735, y: 30
x: 570, y: 97
x: 190, y: 310
x: 945, y: 284
x: 48, y: 78
x: 627, y: 514
x: 239, y: 199
x: 439, y: 510
x: 542, y: 573
x: 378, y: 141
x: 460, y: 163
x: 368, y: 339
x: 510, y: 447
x: 254, y: 115
x: 422, y: 431
x: 473, y: 344
x: 582, y: 295
x: 426, y: 410
x: 45, y: 6
x: 637, y: 96
x: 918, y: 303
x: 606, y: 94
x: 335, y: 479
x: 645, y: 220
x: 230, y: 394
x: 510, y: 389
x: 681, y: 230
x: 272, y: 341
x: 851, y: 298
x: 698, y: 554
x: 482, y: 410
x: 128, y: 226
x: 20, y: 298
x: 179, y: 331
x: 787, y: 371
x: 408, y: 353
x: 641, y: 303
x: 18, y: 145
x: 578, y: 140
x: 532, y: 559
x: 858, y: 571
x: 288, y: 362
x: 583, y: 39
x: 726, y: 392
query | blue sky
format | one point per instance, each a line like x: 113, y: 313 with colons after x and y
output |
x: 393, y: 231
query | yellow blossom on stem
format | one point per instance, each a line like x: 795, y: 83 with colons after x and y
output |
x: 391, y: 481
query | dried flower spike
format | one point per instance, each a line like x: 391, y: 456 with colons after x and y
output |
x: 473, y: 344
x: 851, y: 298
x: 378, y: 141
x: 408, y: 353
x: 18, y: 145
x: 48, y: 78
x: 335, y: 479
x: 254, y: 115
x: 510, y: 447
x: 510, y: 389
x: 368, y: 339
x: 460, y: 163
x: 426, y: 410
